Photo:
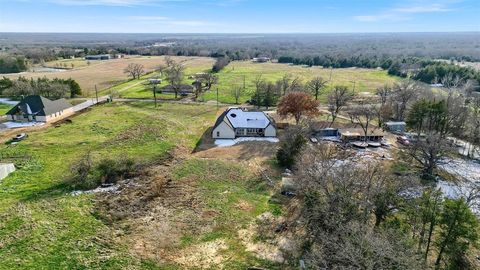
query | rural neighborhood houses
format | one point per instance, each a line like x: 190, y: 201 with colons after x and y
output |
x: 39, y: 109
x: 238, y: 122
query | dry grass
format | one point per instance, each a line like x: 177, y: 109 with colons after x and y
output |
x: 105, y: 74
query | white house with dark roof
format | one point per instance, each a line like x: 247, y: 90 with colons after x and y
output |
x: 40, y: 109
x: 238, y: 122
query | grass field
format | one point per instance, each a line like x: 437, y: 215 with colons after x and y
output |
x: 4, y: 108
x: 105, y: 74
x: 43, y: 226
x: 366, y: 80
x: 77, y: 63
x: 141, y: 89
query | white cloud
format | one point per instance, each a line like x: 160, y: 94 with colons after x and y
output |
x: 404, y: 12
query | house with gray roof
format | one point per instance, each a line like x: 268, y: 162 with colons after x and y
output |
x: 36, y: 108
x: 238, y: 122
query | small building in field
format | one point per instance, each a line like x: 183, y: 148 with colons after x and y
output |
x: 396, y: 127
x: 182, y: 89
x: 238, y: 122
x: 36, y: 108
x: 357, y: 134
x: 98, y: 57
x: 261, y: 59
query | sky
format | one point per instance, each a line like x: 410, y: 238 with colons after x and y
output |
x: 239, y: 16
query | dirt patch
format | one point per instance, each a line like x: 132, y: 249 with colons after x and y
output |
x: 244, y: 206
x: 152, y: 212
x: 272, y: 246
x: 204, y: 255
x: 246, y: 151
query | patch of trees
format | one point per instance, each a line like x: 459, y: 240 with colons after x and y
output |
x: 360, y: 217
x: 53, y: 89
x: 12, y: 64
x: 433, y: 72
x: 220, y: 63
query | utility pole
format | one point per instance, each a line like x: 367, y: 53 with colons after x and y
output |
x: 354, y: 83
x: 155, y: 94
x: 331, y: 71
x: 217, y: 99
x: 96, y: 92
x: 244, y: 84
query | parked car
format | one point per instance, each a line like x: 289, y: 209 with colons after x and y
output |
x: 403, y: 140
x: 19, y: 137
x: 313, y: 140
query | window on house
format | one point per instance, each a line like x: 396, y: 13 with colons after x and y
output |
x: 218, y: 133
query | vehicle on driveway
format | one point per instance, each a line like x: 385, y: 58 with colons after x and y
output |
x: 403, y: 140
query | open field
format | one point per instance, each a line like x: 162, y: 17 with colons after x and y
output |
x: 366, y: 80
x: 141, y: 88
x: 185, y: 214
x: 105, y: 74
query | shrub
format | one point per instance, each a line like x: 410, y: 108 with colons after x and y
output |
x: 291, y: 146
x: 86, y: 174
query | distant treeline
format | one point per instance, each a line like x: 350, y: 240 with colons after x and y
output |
x: 424, y: 70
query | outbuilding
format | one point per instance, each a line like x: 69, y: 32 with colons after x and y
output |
x: 238, y: 122
x: 395, y: 127
x: 357, y: 134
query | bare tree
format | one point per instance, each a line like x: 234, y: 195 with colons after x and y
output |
x: 237, y: 92
x: 338, y: 203
x: 384, y: 93
x: 337, y: 99
x: 363, y: 114
x: 207, y: 79
x: 403, y: 94
x: 284, y: 84
x: 134, y: 70
x: 316, y: 85
x: 175, y: 75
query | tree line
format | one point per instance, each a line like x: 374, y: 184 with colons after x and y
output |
x: 51, y: 88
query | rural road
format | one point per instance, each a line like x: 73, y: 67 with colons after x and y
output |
x: 88, y: 103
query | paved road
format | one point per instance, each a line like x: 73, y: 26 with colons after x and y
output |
x: 88, y: 103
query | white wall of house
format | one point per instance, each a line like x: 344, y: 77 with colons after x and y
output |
x: 58, y: 115
x: 223, y: 131
x: 53, y: 117
x: 270, y: 131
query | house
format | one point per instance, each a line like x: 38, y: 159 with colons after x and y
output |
x: 396, y: 127
x: 98, y: 57
x: 237, y: 122
x: 40, y: 109
x: 357, y: 134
